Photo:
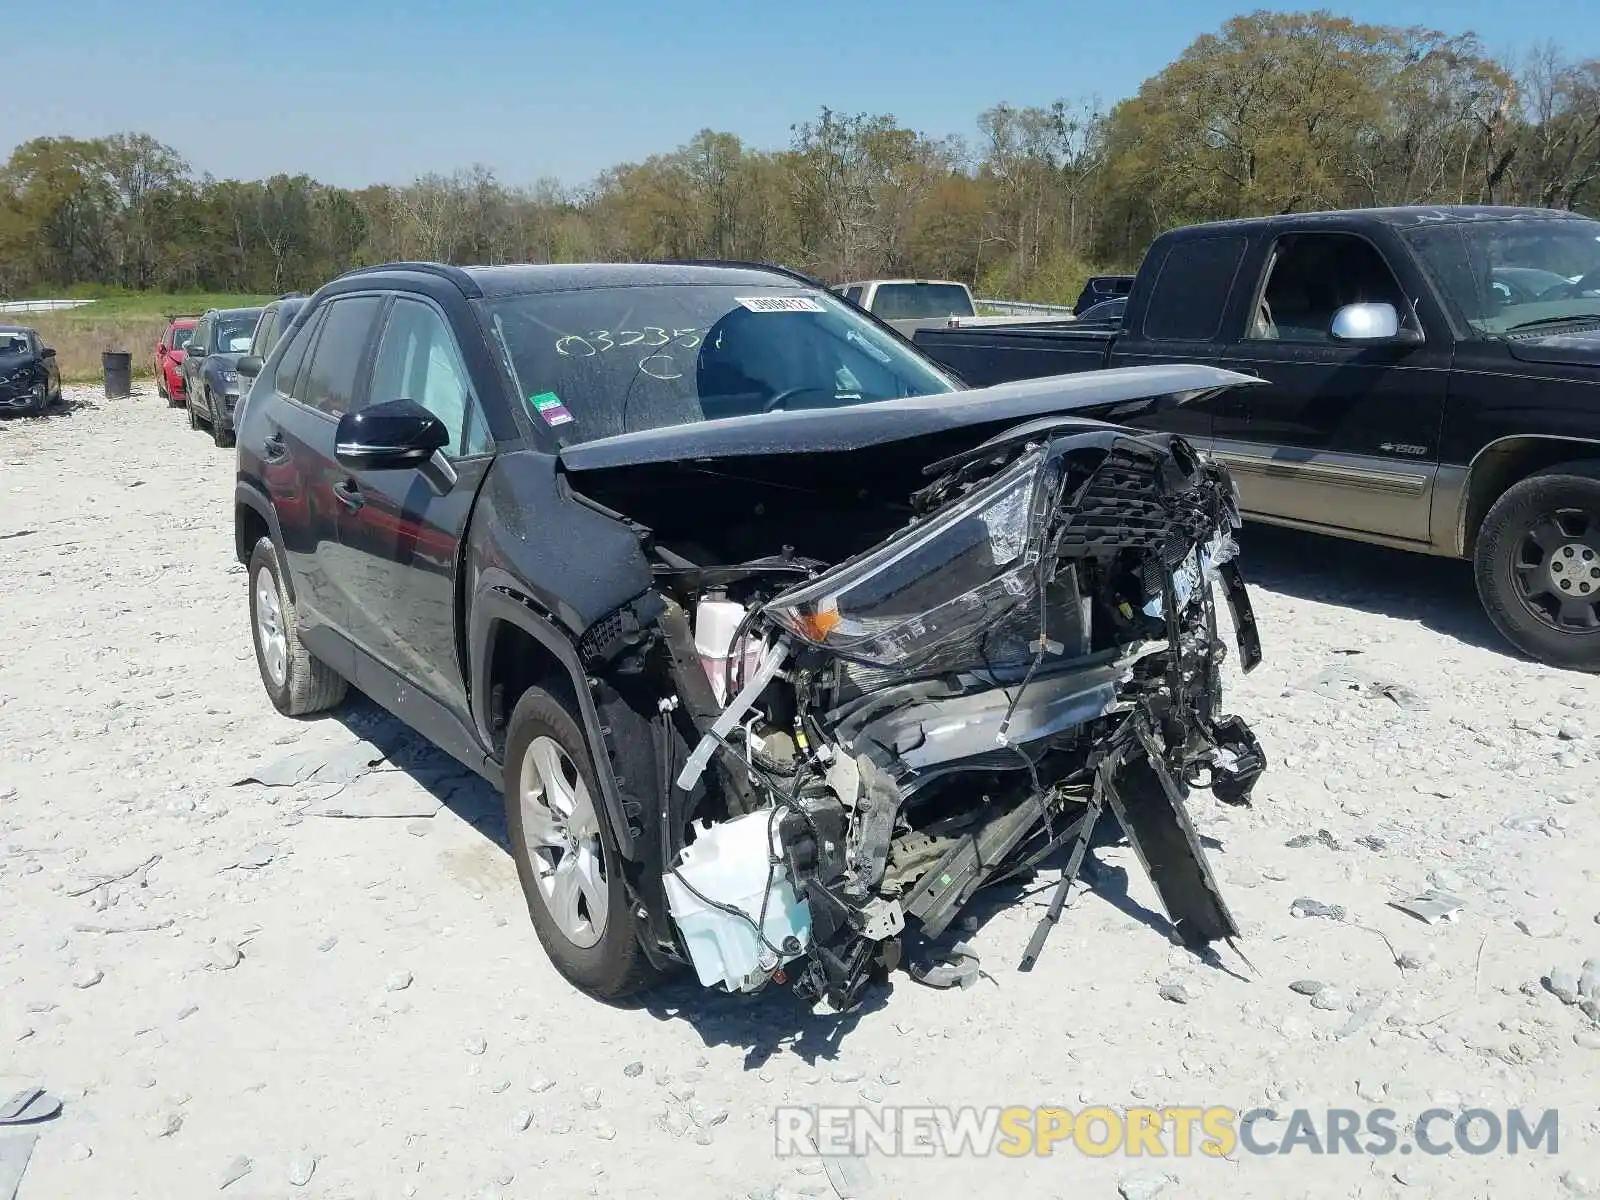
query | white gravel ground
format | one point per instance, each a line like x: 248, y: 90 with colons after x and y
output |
x: 365, y: 1000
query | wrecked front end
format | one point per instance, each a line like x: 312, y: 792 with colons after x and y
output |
x: 871, y: 742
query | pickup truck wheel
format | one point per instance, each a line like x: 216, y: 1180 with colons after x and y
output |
x: 297, y: 682
x: 566, y: 853
x: 1537, y: 565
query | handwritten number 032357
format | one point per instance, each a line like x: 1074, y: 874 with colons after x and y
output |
x: 651, y: 337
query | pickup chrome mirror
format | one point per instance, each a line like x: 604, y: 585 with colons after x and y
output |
x: 1366, y: 323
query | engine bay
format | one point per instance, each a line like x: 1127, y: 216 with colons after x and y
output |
x: 875, y: 700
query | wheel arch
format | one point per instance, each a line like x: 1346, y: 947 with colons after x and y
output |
x: 254, y: 519
x: 1507, y: 461
x: 515, y: 645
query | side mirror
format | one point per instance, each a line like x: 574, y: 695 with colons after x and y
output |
x: 47, y: 352
x: 391, y: 436
x: 1368, y: 323
x: 250, y: 365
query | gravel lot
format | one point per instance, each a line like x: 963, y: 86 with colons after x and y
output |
x: 207, y: 973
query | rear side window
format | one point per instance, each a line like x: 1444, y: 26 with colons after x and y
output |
x: 330, y: 383
x: 1190, y: 290
x: 262, y: 342
x: 290, y: 366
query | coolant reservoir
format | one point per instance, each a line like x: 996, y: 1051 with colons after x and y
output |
x: 715, y: 623
x: 730, y: 864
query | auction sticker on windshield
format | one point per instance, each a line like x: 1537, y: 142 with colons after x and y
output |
x: 549, y: 407
x: 780, y: 304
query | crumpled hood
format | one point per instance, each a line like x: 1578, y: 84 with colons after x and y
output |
x: 1098, y: 396
x: 1579, y: 348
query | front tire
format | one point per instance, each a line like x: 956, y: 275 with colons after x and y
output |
x: 566, y: 854
x: 1537, y: 565
x: 188, y: 405
x: 222, y: 437
x: 297, y: 682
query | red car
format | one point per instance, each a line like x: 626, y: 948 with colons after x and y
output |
x: 169, y: 358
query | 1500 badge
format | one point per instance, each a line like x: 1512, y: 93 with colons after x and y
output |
x: 1402, y: 448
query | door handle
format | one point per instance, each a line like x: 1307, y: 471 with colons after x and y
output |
x: 273, y: 449
x: 349, y: 495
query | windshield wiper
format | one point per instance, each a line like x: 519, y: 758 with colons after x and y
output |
x: 1566, y: 320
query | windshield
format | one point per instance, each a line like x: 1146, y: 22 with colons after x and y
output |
x: 181, y: 336
x: 1500, y: 276
x: 604, y: 361
x: 911, y: 301
x: 233, y: 336
x: 13, y: 343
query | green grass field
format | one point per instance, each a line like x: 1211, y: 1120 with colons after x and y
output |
x: 131, y: 321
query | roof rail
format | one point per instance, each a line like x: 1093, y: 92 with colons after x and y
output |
x: 755, y: 264
x: 443, y: 270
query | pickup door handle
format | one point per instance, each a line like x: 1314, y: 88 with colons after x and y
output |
x: 273, y: 449
x: 349, y: 495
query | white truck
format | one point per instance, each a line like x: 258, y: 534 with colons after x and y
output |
x: 913, y: 304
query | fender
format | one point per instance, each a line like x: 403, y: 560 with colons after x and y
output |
x: 1542, y: 450
x: 253, y: 498
x: 494, y: 603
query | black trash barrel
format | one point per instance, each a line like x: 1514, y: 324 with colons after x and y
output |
x: 118, y: 368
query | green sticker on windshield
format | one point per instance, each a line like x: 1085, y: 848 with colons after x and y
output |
x: 550, y: 409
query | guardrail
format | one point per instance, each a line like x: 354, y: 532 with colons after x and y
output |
x: 40, y: 305
x: 1023, y: 308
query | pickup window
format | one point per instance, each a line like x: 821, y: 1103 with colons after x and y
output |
x: 1190, y: 291
x: 1311, y: 277
x: 914, y: 301
x: 1499, y: 276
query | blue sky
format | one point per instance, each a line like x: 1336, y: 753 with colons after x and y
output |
x: 362, y: 91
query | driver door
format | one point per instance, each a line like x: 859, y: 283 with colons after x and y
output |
x: 1341, y: 435
x: 401, y: 531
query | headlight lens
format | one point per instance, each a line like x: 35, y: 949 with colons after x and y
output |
x: 230, y: 377
x: 948, y: 579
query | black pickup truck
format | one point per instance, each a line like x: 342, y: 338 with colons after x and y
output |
x: 1431, y: 382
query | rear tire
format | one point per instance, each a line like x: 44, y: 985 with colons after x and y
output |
x: 1537, y: 565
x: 597, y: 951
x: 297, y: 682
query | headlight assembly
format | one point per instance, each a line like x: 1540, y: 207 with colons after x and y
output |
x: 948, y: 578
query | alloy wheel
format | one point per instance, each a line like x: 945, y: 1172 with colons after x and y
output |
x: 1557, y: 570
x: 561, y: 832
x: 270, y: 633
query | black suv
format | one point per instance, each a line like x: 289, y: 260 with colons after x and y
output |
x: 211, y: 385
x: 553, y: 517
x: 274, y: 323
